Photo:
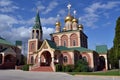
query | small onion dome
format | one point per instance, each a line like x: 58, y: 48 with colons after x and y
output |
x: 64, y: 29
x: 68, y: 18
x: 57, y: 24
x: 75, y: 20
x: 80, y: 26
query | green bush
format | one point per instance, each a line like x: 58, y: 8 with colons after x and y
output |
x: 25, y: 67
x: 62, y: 68
x: 59, y: 68
x: 81, y: 66
x: 68, y: 68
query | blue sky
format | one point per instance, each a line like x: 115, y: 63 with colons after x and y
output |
x: 97, y: 16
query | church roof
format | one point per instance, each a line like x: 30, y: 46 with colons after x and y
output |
x: 51, y: 44
x: 37, y: 22
x: 101, y: 49
x: 81, y: 49
x: 3, y: 41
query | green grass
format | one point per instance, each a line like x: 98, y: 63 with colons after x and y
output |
x: 103, y: 73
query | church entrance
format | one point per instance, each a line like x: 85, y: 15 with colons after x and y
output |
x: 1, y: 58
x: 45, y: 58
x: 101, y: 63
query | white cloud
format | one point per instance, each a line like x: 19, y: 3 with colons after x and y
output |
x: 50, y: 7
x: 94, y: 11
x: 6, y: 22
x: 62, y: 12
x: 47, y: 31
x: 50, y: 20
x: 5, y: 2
x: 7, y: 6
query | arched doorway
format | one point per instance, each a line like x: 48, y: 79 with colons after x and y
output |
x: 1, y: 58
x: 101, y: 65
x: 45, y: 58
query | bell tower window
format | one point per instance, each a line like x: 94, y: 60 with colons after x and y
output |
x: 32, y: 34
x: 74, y: 43
x: 37, y: 34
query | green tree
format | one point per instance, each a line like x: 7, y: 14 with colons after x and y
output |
x: 116, y: 46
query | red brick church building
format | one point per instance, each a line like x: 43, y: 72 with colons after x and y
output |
x: 66, y: 47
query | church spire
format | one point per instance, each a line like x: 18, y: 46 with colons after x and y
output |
x: 37, y: 22
x: 37, y: 28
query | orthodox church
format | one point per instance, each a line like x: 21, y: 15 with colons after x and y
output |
x: 66, y: 47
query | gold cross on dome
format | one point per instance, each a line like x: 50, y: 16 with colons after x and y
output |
x: 58, y: 17
x: 74, y: 13
x: 69, y: 6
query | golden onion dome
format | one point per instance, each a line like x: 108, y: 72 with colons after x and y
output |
x: 57, y: 23
x: 80, y: 26
x: 68, y: 18
x: 75, y: 20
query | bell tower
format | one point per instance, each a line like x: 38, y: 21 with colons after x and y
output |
x: 36, y: 39
x: 37, y: 28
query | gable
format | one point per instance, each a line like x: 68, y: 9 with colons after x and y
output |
x: 47, y: 44
x: 9, y: 51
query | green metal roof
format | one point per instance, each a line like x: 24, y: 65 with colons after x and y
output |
x: 19, y: 43
x: 51, y: 44
x: 101, y: 49
x: 37, y: 22
x: 81, y: 49
x: 3, y: 41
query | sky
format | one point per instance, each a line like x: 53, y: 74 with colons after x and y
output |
x: 97, y: 16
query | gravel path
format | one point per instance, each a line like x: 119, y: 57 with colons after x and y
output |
x: 27, y: 75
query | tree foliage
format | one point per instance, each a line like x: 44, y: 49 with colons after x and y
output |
x: 114, y: 52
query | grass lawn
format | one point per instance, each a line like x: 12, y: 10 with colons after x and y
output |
x: 105, y: 73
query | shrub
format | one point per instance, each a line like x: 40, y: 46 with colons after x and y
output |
x: 68, y: 68
x: 59, y: 67
x: 25, y: 67
x: 81, y: 66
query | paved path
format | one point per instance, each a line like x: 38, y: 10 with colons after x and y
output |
x: 27, y: 75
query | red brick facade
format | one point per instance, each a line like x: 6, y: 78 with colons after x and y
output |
x: 32, y: 46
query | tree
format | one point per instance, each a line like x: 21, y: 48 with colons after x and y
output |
x: 116, y: 46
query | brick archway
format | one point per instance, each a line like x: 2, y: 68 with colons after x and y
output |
x: 101, y: 63
x: 69, y: 59
x: 45, y: 58
x: 84, y: 54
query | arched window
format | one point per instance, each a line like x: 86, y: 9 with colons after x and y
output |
x: 37, y: 34
x: 85, y: 58
x: 65, y: 59
x: 32, y: 34
x: 74, y: 39
x: 65, y: 43
x: 32, y: 46
x: 32, y: 59
x: 74, y: 43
